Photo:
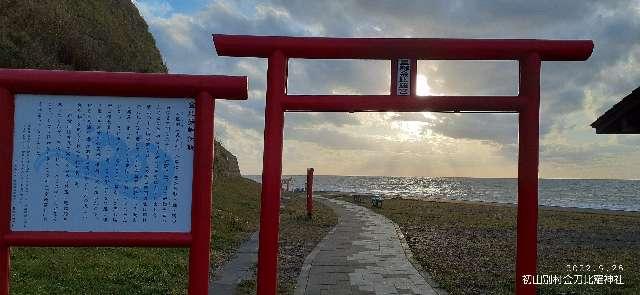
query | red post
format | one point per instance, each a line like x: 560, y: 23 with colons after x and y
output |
x: 309, y: 190
x: 271, y: 175
x: 7, y: 104
x: 527, y: 223
x: 201, y: 202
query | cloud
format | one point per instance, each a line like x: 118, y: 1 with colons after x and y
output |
x: 330, y: 138
x: 339, y: 77
x: 499, y: 128
x: 153, y: 10
x: 471, y: 77
x: 573, y: 93
x: 317, y: 119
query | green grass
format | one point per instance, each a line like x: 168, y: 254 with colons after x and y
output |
x: 236, y: 214
x: 469, y: 248
x: 98, y: 271
x: 136, y: 270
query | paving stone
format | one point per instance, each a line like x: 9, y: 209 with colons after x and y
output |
x: 362, y: 255
x: 238, y: 269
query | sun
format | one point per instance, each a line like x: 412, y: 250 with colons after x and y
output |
x: 422, y: 86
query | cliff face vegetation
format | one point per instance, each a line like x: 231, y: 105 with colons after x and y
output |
x: 106, y: 35
x: 76, y: 35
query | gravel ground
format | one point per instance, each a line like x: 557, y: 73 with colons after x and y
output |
x: 469, y: 248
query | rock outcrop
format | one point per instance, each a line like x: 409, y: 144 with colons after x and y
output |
x: 226, y: 164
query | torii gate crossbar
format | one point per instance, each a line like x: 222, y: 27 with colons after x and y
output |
x: 529, y: 53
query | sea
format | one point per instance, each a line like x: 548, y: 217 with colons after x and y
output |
x: 608, y: 194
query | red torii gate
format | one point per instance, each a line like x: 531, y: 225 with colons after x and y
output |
x: 529, y: 53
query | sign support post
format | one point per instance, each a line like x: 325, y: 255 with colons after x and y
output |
x: 6, y: 137
x: 201, y: 207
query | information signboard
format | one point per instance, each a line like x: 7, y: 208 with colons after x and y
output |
x: 102, y: 164
x: 99, y: 159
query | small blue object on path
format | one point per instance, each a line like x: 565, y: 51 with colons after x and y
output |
x: 376, y: 201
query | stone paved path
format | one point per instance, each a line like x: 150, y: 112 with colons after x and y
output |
x: 240, y: 268
x: 362, y: 255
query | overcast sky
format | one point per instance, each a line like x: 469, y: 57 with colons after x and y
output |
x: 574, y: 94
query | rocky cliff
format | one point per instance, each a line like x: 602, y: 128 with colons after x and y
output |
x: 226, y: 164
x: 105, y: 35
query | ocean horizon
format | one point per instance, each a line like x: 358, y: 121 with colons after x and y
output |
x: 610, y: 194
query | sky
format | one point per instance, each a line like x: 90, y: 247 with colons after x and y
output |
x: 573, y: 94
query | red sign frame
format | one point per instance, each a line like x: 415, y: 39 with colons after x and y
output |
x: 202, y: 88
x: 529, y: 53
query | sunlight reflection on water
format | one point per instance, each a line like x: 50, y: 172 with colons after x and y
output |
x: 581, y: 193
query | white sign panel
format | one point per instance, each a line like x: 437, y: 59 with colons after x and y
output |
x: 403, y: 81
x: 102, y: 164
